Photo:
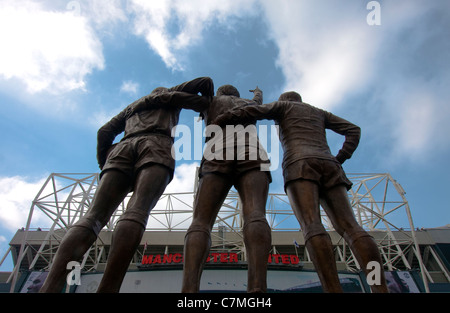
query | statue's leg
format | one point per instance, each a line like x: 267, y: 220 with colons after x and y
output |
x: 304, y: 199
x: 151, y: 181
x: 112, y: 189
x: 364, y: 247
x: 253, y: 188
x: 211, y: 193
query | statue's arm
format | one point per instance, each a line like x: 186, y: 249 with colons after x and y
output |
x: 183, y: 100
x: 106, y: 135
x: 202, y: 85
x: 257, y: 95
x: 351, y: 132
x: 250, y: 113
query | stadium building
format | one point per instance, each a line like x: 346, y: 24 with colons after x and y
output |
x: 415, y: 260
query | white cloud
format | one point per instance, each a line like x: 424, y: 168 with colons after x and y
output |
x: 411, y: 80
x: 16, y: 197
x: 180, y: 204
x: 328, y: 53
x: 150, y: 22
x: 129, y: 87
x: 416, y: 126
x: 103, y: 14
x: 325, y: 47
x: 184, y: 178
x: 412, y: 114
x: 46, y: 50
x: 155, y: 21
x: 3, y: 246
x: 99, y: 118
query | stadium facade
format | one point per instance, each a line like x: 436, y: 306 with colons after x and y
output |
x: 415, y: 260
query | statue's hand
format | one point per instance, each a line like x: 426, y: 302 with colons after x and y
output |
x: 256, y: 90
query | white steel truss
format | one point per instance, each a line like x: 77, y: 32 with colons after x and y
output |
x: 379, y: 204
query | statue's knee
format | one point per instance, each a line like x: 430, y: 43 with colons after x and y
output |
x: 260, y: 222
x: 352, y: 236
x: 314, y: 230
x: 135, y: 215
x: 90, y: 223
x: 198, y: 229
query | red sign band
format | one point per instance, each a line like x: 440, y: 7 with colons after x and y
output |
x: 177, y: 258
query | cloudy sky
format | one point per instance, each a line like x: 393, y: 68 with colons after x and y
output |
x: 67, y: 67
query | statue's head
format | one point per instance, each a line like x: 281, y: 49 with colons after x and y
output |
x: 159, y: 90
x: 228, y: 90
x: 290, y: 96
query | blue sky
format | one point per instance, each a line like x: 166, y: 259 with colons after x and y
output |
x: 67, y: 67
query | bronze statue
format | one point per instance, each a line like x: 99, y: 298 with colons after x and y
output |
x: 311, y: 175
x: 141, y: 162
x: 217, y: 175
